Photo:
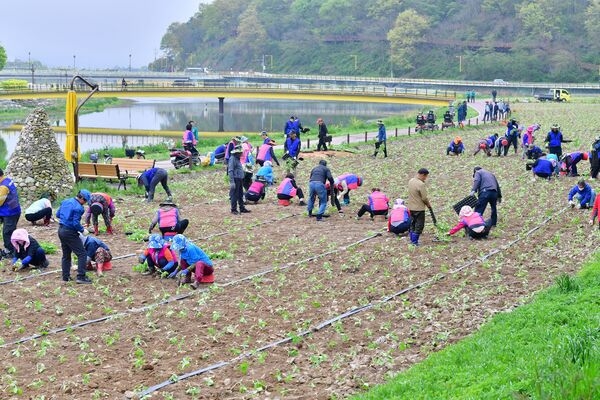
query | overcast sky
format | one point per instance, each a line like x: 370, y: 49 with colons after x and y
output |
x: 99, y: 33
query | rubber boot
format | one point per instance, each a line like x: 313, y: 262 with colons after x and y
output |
x: 109, y: 230
x: 46, y: 221
x: 96, y: 230
x: 99, y: 268
x: 414, y: 238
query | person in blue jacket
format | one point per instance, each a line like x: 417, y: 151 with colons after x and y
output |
x: 582, y: 195
x: 69, y: 214
x: 543, y: 168
x: 192, y: 259
x: 266, y: 173
x: 555, y: 139
x: 381, y: 139
x: 292, y: 145
x: 456, y: 147
x: 151, y: 178
x: 289, y: 126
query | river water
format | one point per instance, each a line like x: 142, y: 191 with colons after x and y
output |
x: 239, y: 116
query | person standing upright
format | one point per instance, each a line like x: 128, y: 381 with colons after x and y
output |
x: 69, y: 214
x: 323, y: 132
x: 235, y: 171
x: 381, y: 139
x: 488, y: 191
x: 417, y: 203
x: 10, y: 212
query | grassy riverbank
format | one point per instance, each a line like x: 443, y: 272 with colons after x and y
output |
x: 54, y: 107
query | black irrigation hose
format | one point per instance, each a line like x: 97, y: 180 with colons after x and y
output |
x: 31, y: 276
x: 185, y: 296
x: 346, y: 314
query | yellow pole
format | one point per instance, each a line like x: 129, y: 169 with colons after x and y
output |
x: 70, y: 119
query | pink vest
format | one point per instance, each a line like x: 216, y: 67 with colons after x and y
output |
x: 378, y: 201
x: 399, y: 214
x: 263, y: 152
x: 474, y: 222
x: 256, y: 187
x: 167, y: 219
x: 286, y: 188
x: 246, y: 149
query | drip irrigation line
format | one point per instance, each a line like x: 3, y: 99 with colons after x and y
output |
x: 346, y: 314
x: 185, y: 296
x: 54, y: 271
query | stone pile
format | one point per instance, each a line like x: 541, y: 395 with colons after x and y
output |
x: 38, y: 165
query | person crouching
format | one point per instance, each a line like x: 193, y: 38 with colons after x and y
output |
x: 256, y: 191
x: 192, y: 259
x: 378, y: 204
x: 158, y: 256
x: 27, y: 250
x: 399, y: 218
x: 473, y: 223
x: 288, y: 189
x: 98, y: 252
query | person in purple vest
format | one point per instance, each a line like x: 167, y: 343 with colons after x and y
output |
x: 378, y: 204
x: 265, y: 152
x: 168, y: 219
x: 473, y: 224
x: 399, y: 218
x: 348, y: 182
x: 571, y: 161
x: 288, y: 189
x: 256, y: 191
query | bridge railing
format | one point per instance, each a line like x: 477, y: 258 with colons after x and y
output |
x: 251, y: 87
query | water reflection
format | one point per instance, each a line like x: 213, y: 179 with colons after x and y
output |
x: 240, y: 115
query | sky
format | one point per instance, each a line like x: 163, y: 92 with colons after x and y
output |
x: 99, y: 33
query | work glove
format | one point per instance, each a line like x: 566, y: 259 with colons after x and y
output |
x: 472, y: 193
x: 591, y: 222
x: 578, y: 206
x: 142, y: 259
x: 173, y: 274
x: 183, y: 272
x: 571, y: 203
x: 150, y: 231
x: 85, y: 232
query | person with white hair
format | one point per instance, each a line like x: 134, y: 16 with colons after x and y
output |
x: 265, y: 173
x: 399, y: 218
x: 473, y: 224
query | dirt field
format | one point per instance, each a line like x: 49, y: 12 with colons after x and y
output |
x: 300, y: 310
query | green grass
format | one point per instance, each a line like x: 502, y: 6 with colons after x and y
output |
x: 548, y: 349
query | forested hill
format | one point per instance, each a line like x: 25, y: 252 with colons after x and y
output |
x: 545, y: 40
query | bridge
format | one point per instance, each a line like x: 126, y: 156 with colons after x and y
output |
x: 277, y: 91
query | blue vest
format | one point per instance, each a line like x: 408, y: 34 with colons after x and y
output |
x: 11, y: 206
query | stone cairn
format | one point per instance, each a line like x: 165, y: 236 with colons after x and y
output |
x: 38, y: 164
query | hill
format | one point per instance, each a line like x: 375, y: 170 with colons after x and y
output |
x: 546, y: 40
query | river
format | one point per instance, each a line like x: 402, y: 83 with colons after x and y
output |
x: 239, y: 116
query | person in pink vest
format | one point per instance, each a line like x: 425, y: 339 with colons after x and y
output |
x: 246, y: 150
x: 168, y: 219
x: 265, y: 152
x: 256, y: 191
x: 378, y: 204
x: 288, y: 189
x: 347, y: 183
x: 473, y: 224
x: 399, y: 218
x: 158, y: 256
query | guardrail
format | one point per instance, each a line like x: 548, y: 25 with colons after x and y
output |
x: 252, y: 87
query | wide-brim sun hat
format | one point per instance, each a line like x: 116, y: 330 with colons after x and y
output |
x: 466, y: 211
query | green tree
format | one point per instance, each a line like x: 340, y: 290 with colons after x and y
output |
x: 404, y: 37
x: 2, y: 57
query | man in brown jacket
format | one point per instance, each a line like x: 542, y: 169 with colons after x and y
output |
x: 417, y: 203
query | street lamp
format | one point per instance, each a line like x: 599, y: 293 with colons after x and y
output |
x: 32, y: 69
x: 74, y: 58
x: 130, y: 63
x: 264, y: 66
x: 459, y: 63
x: 355, y: 61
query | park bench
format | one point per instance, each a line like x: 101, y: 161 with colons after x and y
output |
x: 132, y: 167
x: 104, y: 171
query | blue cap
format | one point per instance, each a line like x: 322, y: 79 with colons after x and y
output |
x: 84, y: 194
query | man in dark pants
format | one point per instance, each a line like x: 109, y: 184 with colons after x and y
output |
x: 323, y: 132
x: 69, y: 213
x: 10, y: 212
x: 381, y: 139
x: 488, y: 191
x: 235, y: 171
x: 318, y: 176
x: 151, y: 178
x: 417, y: 203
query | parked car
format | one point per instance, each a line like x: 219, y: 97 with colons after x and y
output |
x: 500, y: 82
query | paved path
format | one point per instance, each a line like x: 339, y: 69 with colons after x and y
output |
x: 360, y: 137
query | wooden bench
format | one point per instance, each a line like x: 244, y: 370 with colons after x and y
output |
x: 132, y: 167
x: 104, y: 171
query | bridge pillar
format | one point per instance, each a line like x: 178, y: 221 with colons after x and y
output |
x: 221, y: 113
